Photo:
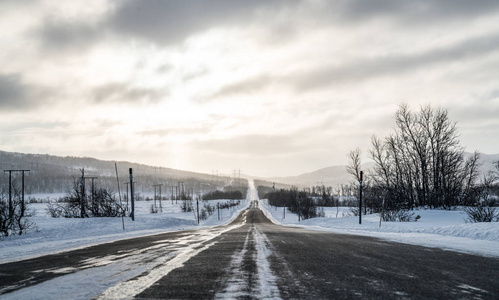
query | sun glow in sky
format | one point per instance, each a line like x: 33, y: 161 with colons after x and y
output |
x: 269, y: 87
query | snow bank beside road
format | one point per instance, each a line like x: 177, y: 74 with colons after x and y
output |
x: 436, y: 228
x: 52, y: 235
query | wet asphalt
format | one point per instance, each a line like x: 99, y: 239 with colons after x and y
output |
x: 297, y: 264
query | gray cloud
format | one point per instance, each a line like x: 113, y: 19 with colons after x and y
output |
x: 478, y: 115
x: 195, y: 75
x: 164, y: 68
x: 12, y: 91
x: 261, y: 145
x: 392, y: 65
x: 15, y: 94
x: 167, y: 22
x: 250, y: 85
x: 58, y: 35
x: 29, y: 126
x: 410, y: 11
x: 363, y: 69
x: 122, y: 92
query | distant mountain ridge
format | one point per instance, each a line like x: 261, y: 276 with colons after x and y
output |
x: 54, y: 174
x: 338, y: 175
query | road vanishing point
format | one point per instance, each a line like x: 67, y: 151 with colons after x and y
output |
x: 252, y: 258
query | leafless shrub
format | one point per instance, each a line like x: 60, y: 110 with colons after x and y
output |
x: 481, y: 213
x: 399, y: 215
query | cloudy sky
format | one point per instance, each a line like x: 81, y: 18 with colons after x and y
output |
x: 268, y: 87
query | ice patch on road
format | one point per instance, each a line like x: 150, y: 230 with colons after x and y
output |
x: 56, y: 235
x: 239, y: 283
x: 121, y: 275
x: 130, y: 288
x: 236, y: 283
x: 266, y: 279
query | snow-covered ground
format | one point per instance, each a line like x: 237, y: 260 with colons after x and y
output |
x: 436, y: 228
x: 52, y: 235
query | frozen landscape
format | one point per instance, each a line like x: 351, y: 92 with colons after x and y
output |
x: 446, y: 229
x: 123, y: 274
x: 51, y: 235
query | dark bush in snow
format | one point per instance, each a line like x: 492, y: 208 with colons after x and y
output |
x: 215, y: 195
x: 14, y: 215
x: 399, y: 215
x: 296, y: 202
x: 80, y: 204
x: 481, y: 213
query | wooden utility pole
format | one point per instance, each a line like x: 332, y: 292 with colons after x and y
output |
x: 119, y: 195
x: 176, y: 193
x: 157, y: 187
x: 11, y: 206
x: 94, y: 205
x: 126, y: 184
x: 197, y: 207
x: 181, y: 189
x: 82, y: 196
x: 160, y: 206
x: 172, y: 195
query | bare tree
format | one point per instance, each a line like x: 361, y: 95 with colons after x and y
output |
x: 421, y: 163
x: 74, y: 204
x: 14, y: 217
x: 354, y: 164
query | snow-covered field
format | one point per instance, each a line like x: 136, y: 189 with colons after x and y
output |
x: 436, y: 228
x: 60, y: 234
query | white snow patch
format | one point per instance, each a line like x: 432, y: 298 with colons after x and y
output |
x: 446, y: 229
x: 121, y: 276
x: 266, y: 279
x: 266, y: 283
x: 236, y: 283
x: 471, y: 288
x: 53, y: 235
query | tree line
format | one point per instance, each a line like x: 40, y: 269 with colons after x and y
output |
x: 295, y: 201
x: 422, y: 164
x: 216, y: 195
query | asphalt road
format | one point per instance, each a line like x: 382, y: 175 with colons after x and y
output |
x: 252, y: 258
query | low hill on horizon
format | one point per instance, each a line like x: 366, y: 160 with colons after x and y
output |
x: 337, y: 175
x: 56, y: 174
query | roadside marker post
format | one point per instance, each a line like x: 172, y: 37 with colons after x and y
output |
x: 360, y: 197
x: 299, y: 208
x: 197, y: 207
x: 132, y: 196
